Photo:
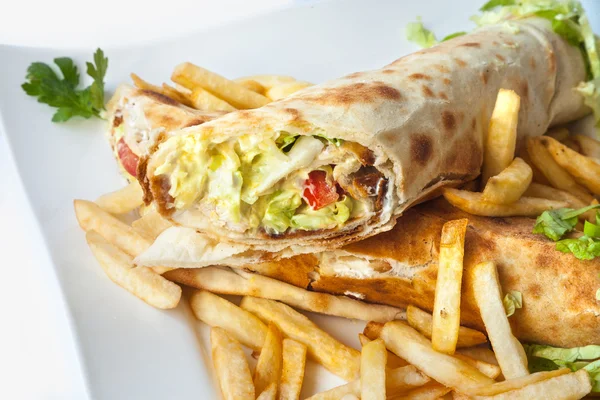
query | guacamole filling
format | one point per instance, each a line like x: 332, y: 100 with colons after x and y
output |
x: 276, y: 184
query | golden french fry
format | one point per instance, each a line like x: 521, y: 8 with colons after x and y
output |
x: 511, y: 385
x: 182, y: 89
x: 151, y: 224
x: 165, y: 90
x: 588, y: 146
x: 373, y: 359
x: 548, y: 192
x: 243, y: 326
x: 509, y: 185
x: 286, y: 89
x: 175, y: 94
x: 333, y: 355
x: 123, y: 200
x: 268, y: 367
x: 144, y: 85
x: 537, y: 175
x: 393, y: 361
x: 407, y: 343
x: 488, y: 296
x: 143, y: 282
x: 559, y: 134
x: 431, y: 391
x: 502, y: 135
x: 238, y: 282
x: 524, y: 207
x: 253, y: 85
x: 373, y: 330
x: 270, y: 393
x: 398, y: 381
x: 267, y: 81
x: 192, y: 76
x: 231, y: 366
x: 558, y: 177
x: 422, y: 321
x: 585, y: 170
x: 292, y: 374
x: 491, y: 370
x: 202, y: 99
x: 446, y: 307
x: 480, y: 353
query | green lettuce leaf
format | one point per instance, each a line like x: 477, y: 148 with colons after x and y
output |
x: 591, y: 230
x: 490, y: 5
x: 512, y: 301
x: 325, y: 218
x: 453, y: 35
x: 556, y: 223
x: 280, y: 209
x: 418, y: 34
x: 583, y: 248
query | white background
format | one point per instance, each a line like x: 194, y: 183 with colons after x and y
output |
x: 37, y: 360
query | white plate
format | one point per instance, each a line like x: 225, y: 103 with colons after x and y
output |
x: 127, y: 349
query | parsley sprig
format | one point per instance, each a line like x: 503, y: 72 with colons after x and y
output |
x: 62, y: 93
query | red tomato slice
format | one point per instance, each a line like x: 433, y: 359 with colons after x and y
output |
x: 128, y: 159
x: 318, y: 193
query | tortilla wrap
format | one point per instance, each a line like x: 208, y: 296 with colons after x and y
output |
x: 403, y: 132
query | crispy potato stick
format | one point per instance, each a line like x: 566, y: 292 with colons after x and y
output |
x: 151, y: 224
x: 585, y: 170
x: 538, y: 176
x: 502, y: 135
x: 488, y: 296
x: 422, y: 321
x: 231, y: 366
x: 416, y: 349
x: 373, y: 330
x: 524, y: 207
x: 91, y: 217
x: 204, y: 100
x: 268, y: 367
x: 270, y: 393
x: 560, y: 134
x: 285, y: 89
x: 243, y: 326
x: 446, y: 307
x: 480, y: 353
x: 165, y: 90
x: 588, y: 146
x: 192, y: 76
x: 373, y: 359
x: 267, y: 81
x: 517, y: 383
x: 175, y: 94
x: 558, y: 177
x: 568, y: 386
x: 292, y: 374
x: 238, y: 282
x: 141, y: 281
x: 144, y: 85
x: 398, y: 381
x: 333, y: 355
x: 393, y: 361
x: 491, y: 370
x: 509, y: 185
x: 548, y: 192
x: 251, y: 84
x: 431, y: 391
x: 123, y: 200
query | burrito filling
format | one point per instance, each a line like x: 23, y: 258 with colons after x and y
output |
x: 274, y: 185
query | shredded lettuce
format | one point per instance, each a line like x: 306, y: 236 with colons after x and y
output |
x: 334, y: 141
x: 453, y: 35
x: 325, y: 218
x: 285, y: 141
x: 512, y: 301
x: 418, y: 34
x: 280, y: 209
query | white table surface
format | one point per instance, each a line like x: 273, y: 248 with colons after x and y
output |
x: 37, y: 358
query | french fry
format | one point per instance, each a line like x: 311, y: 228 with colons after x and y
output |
x: 398, y: 381
x: 286, y: 89
x: 270, y: 393
x: 488, y: 296
x: 373, y: 360
x: 491, y: 370
x: 480, y: 353
x: 509, y: 185
x: 143, y: 282
x: 231, y: 366
x: 193, y: 76
x: 585, y: 170
x: 292, y: 374
x: 502, y: 134
x: 253, y: 85
x: 524, y: 207
x: 202, y: 99
x: 175, y: 94
x: 558, y: 177
x: 268, y: 367
x: 123, y: 200
x: 538, y: 176
x: 393, y: 361
x: 237, y: 282
x: 408, y: 344
x: 446, y: 307
x: 422, y: 322
x: 151, y: 224
x: 588, y: 146
x: 333, y: 355
x: 568, y: 386
x: 431, y: 391
x: 510, y: 385
x: 165, y: 90
x: 144, y: 85
x: 267, y: 81
x: 373, y: 330
x: 548, y: 192
x: 243, y: 326
x: 560, y: 134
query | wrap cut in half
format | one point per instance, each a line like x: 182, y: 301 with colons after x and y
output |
x: 138, y: 118
x: 399, y: 268
x: 340, y: 161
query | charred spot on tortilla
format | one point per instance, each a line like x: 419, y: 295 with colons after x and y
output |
x: 543, y: 260
x: 360, y: 92
x: 354, y: 75
x: 449, y: 121
x: 294, y: 113
x: 388, y: 71
x: 471, y: 44
x: 500, y: 57
x: 442, y: 68
x: 447, y: 81
x: 534, y: 290
x: 495, y: 43
x: 421, y: 148
x: 474, y: 124
x: 461, y: 63
x: 160, y: 97
x: 485, y: 76
x: 195, y: 121
x: 532, y: 62
x: 117, y: 120
x: 524, y: 89
x: 443, y: 96
x: 427, y: 92
x: 419, y: 76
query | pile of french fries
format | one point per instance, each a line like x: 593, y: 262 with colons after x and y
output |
x: 553, y: 171
x: 404, y: 355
